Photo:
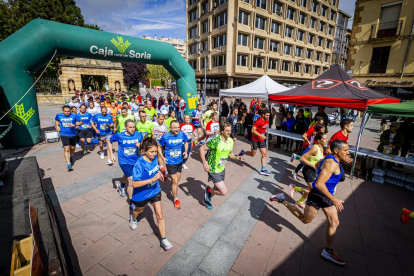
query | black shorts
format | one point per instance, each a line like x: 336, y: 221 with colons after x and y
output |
x: 260, y: 145
x: 174, y: 169
x: 309, y: 174
x: 68, y: 141
x: 153, y: 199
x: 318, y: 200
x: 197, y: 126
x: 84, y: 133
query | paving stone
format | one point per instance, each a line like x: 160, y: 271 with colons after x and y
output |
x: 246, y: 265
x: 405, y: 259
x: 80, y: 243
x: 237, y: 233
x: 132, y: 271
x: 199, y: 272
x: 219, y: 259
x: 401, y: 238
x: 264, y: 234
x: 349, y: 238
x: 376, y: 239
x: 183, y: 230
x: 98, y: 270
x: 370, y: 218
x: 380, y: 263
x: 209, y: 232
x: 349, y: 218
x: 110, y: 208
x: 284, y: 260
x: 89, y: 207
x: 313, y: 263
x: 355, y: 263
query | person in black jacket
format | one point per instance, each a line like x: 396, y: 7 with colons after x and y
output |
x: 233, y: 119
x: 300, y: 127
x: 224, y: 110
x: 248, y: 124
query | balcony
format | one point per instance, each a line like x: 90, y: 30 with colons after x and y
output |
x: 386, y: 30
x: 377, y: 69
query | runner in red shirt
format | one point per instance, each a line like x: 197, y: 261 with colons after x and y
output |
x: 259, y: 138
x: 188, y: 129
x: 310, y: 133
x: 213, y: 127
x: 140, y: 98
x: 347, y: 125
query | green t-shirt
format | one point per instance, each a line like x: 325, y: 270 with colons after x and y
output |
x: 206, y: 117
x: 219, y: 153
x: 150, y: 113
x: 121, y: 121
x: 168, y: 122
x: 144, y: 128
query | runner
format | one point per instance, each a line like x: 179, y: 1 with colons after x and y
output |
x: 102, y: 124
x: 160, y: 128
x: 188, y: 129
x: 310, y: 159
x: 207, y: 114
x: 170, y: 119
x: 113, y: 110
x: 85, y: 129
x: 347, y: 125
x: 144, y: 126
x: 147, y: 189
x: 329, y: 174
x: 259, y: 139
x: 122, y: 118
x: 150, y: 111
x: 212, y: 127
x: 197, y: 118
x: 219, y: 148
x: 128, y: 145
x: 406, y: 215
x: 92, y: 109
x: 65, y: 123
x: 174, y: 142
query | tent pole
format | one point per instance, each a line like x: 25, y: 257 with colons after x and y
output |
x: 358, y: 142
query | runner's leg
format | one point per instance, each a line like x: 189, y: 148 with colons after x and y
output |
x: 66, y: 153
x: 82, y: 142
x: 331, y: 214
x: 136, y: 212
x: 306, y: 217
x: 160, y: 218
x: 264, y: 154
x: 174, y: 186
x: 218, y: 189
x: 129, y: 187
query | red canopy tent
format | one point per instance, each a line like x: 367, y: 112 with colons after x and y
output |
x: 334, y: 88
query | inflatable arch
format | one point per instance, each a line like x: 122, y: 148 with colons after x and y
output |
x: 32, y: 47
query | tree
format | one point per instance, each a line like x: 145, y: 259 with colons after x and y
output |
x: 134, y: 73
x: 158, y: 72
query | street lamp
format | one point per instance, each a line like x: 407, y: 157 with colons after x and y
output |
x: 205, y: 72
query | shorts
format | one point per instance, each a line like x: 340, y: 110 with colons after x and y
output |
x: 103, y: 137
x: 309, y: 174
x: 127, y: 169
x: 197, y: 126
x: 68, y: 141
x: 318, y: 200
x: 217, y: 177
x: 174, y: 169
x: 260, y: 145
x: 153, y: 199
x: 84, y: 133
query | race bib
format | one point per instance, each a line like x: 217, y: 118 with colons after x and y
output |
x: 66, y: 124
x: 144, y: 133
x: 189, y: 135
x: 84, y: 126
x: 103, y: 127
x: 215, y: 128
x: 157, y: 136
x: 222, y: 161
x: 130, y: 151
x: 175, y: 153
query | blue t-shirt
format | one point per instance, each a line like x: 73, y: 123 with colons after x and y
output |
x: 102, y: 122
x: 134, y: 107
x: 86, y: 120
x: 144, y: 170
x: 127, y: 150
x: 65, y: 129
x: 198, y: 114
x: 332, y: 181
x: 173, y: 146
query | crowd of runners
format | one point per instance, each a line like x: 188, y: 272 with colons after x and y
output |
x: 155, y: 145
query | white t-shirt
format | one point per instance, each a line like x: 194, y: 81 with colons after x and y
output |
x: 188, y: 130
x: 93, y: 111
x: 159, y: 130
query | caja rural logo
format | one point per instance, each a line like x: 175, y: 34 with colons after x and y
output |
x: 122, y: 47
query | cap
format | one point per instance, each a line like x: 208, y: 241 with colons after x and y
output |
x: 164, y: 112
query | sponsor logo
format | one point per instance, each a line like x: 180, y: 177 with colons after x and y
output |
x: 325, y: 84
x: 20, y: 116
x: 120, y: 44
x: 356, y: 84
x: 122, y: 47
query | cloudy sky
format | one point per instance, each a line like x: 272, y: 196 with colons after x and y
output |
x: 148, y: 17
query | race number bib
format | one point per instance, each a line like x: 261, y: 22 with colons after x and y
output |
x: 157, y: 136
x: 130, y: 151
x: 175, y: 153
x: 189, y: 135
x: 215, y: 128
x: 144, y: 133
x: 85, y: 126
x: 66, y: 124
x: 103, y: 127
x: 222, y: 161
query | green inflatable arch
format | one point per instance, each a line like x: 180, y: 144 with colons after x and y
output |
x: 32, y: 47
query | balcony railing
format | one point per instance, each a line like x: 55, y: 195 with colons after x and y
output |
x: 387, y: 29
x: 377, y: 69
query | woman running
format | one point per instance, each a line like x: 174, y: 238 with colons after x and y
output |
x: 310, y: 160
x: 170, y: 119
x: 188, y: 129
x: 146, y: 174
x: 213, y: 127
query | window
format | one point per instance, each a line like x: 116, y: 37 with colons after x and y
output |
x: 333, y: 15
x: 286, y: 66
x: 193, y: 64
x: 324, y: 10
x: 303, y: 3
x: 300, y: 36
x: 272, y: 64
x: 244, y: 17
x: 290, y: 14
x: 220, y: 20
x: 312, y: 22
x: 328, y: 44
x: 236, y: 83
x: 318, y: 56
x: 302, y: 18
x: 296, y: 67
x: 277, y: 8
x: 310, y: 38
x: 316, y: 70
x: 298, y: 52
x: 193, y: 49
x: 241, y: 60
x: 243, y: 39
x: 258, y: 43
x: 320, y: 41
x: 274, y: 46
x: 258, y: 62
x: 193, y: 32
x: 287, y: 49
x: 288, y: 31
x: 261, y: 4
x: 334, y: 2
x: 219, y: 41
x: 309, y: 54
x: 315, y: 6
x: 246, y: 1
x: 192, y: 1
x: 192, y: 15
x: 219, y: 2
x: 204, y: 27
x: 321, y: 26
x: 260, y: 23
x: 330, y: 30
x: 307, y: 69
x: 219, y: 60
x: 326, y: 58
x: 204, y: 8
x: 204, y: 44
x: 379, y: 59
x: 275, y: 27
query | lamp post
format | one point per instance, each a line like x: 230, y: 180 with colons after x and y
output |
x: 205, y: 73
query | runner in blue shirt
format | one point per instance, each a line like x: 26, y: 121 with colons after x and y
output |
x: 146, y: 174
x: 128, y: 145
x: 197, y: 117
x: 65, y: 123
x: 85, y: 129
x: 102, y: 124
x: 173, y: 143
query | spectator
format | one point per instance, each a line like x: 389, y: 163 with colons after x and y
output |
x: 248, y: 124
x: 300, y: 128
x: 224, y: 110
x: 289, y: 124
x: 160, y: 102
x: 384, y: 125
x: 407, y: 130
x: 279, y: 115
x: 393, y: 139
x: 321, y: 113
x: 233, y: 119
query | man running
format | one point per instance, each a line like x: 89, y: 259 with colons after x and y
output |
x: 160, y: 128
x: 259, y: 139
x: 207, y: 114
x: 149, y: 111
x: 347, y: 125
x: 329, y: 174
x: 122, y: 118
x: 219, y: 148
x: 197, y: 117
x: 102, y: 124
x: 174, y: 142
x: 145, y: 126
x: 65, y: 123
x: 188, y: 129
x: 85, y: 129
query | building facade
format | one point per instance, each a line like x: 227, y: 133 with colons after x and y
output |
x: 341, y: 40
x: 379, y: 54
x: 290, y: 41
x: 178, y: 44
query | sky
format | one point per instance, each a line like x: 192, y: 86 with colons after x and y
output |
x: 149, y: 17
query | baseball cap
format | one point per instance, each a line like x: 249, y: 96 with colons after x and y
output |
x: 164, y: 112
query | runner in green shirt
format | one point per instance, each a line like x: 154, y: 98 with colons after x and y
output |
x: 170, y: 119
x: 151, y: 112
x: 219, y: 149
x: 207, y: 114
x: 121, y: 118
x: 144, y: 126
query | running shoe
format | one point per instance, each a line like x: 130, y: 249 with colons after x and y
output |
x: 185, y: 167
x: 292, y: 157
x: 71, y: 160
x: 208, y: 195
x: 241, y: 153
x: 291, y: 190
x: 300, y: 206
x: 70, y: 167
x: 405, y: 215
x: 265, y: 172
x: 201, y: 143
x: 166, y: 244
x: 102, y: 155
x: 332, y: 256
x: 77, y: 146
x: 208, y: 205
x: 133, y: 224
x: 177, y: 204
x: 109, y: 162
x: 278, y: 197
x: 121, y: 189
x: 295, y: 175
x: 85, y: 152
